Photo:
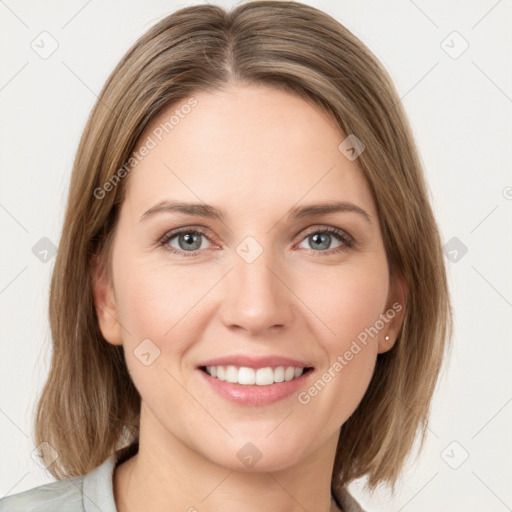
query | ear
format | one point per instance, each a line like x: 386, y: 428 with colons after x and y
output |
x: 394, y: 314
x: 104, y: 303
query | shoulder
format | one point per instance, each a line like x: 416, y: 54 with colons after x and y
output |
x: 87, y: 493
x: 62, y: 495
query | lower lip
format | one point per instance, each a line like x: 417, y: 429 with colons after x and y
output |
x: 255, y: 395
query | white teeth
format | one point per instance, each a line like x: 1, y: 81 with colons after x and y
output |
x: 279, y: 374
x: 246, y: 376
x: 289, y: 373
x: 231, y: 374
x: 264, y: 376
x: 221, y: 372
x: 250, y: 376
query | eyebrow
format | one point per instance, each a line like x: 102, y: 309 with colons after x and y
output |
x: 297, y: 212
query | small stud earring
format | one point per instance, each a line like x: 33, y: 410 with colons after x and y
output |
x: 387, y: 338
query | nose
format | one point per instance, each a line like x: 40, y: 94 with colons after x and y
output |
x: 256, y: 298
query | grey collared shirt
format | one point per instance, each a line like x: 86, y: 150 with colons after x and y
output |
x: 93, y: 492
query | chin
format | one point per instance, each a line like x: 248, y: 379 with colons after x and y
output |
x: 258, y: 455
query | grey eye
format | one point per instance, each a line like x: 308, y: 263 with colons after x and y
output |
x: 321, y: 240
x: 187, y: 241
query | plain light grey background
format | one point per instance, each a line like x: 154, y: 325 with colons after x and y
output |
x: 448, y: 61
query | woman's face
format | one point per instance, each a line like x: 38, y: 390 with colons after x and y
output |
x: 259, y: 285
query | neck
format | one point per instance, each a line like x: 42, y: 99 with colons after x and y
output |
x: 166, y: 475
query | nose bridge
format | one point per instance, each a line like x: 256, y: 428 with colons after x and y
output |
x: 256, y: 298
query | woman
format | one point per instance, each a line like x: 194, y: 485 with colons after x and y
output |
x: 249, y: 305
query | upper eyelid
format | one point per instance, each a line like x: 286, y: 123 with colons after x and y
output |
x: 175, y: 232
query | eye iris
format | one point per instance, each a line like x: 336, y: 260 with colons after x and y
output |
x: 190, y: 240
x: 318, y: 237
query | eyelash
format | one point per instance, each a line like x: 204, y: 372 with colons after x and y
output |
x: 347, y: 241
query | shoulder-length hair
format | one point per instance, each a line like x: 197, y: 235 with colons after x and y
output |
x: 89, y: 406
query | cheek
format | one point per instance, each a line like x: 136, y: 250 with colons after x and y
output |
x: 349, y: 310
x: 156, y: 304
x: 152, y: 298
x: 163, y: 305
x: 142, y: 301
x: 348, y: 301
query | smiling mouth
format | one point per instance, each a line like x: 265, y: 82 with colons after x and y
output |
x: 254, y: 376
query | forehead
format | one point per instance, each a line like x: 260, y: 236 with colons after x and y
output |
x: 253, y: 146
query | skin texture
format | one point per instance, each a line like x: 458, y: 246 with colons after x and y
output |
x: 255, y: 152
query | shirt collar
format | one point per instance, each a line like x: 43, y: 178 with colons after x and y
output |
x: 98, y: 489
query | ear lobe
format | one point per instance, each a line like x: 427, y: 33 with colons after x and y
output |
x: 104, y: 303
x: 394, y: 314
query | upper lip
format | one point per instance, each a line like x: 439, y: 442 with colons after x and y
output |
x: 255, y: 361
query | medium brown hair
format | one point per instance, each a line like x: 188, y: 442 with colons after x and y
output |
x: 89, y: 405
